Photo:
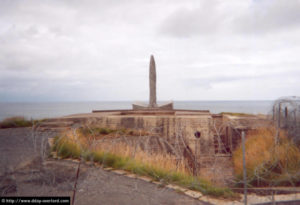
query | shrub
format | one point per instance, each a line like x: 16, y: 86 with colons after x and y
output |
x: 96, y: 131
x: 66, y: 147
x: 87, y: 132
x: 268, y: 163
x: 15, y: 122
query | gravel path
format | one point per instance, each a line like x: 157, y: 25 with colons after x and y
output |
x: 25, y: 172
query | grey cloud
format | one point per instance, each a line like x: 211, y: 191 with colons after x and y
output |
x: 186, y: 22
x: 268, y: 15
x: 251, y: 17
x: 208, y: 82
x: 45, y: 88
x: 289, y: 76
x: 99, y: 49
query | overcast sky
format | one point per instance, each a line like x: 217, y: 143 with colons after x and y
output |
x: 100, y: 49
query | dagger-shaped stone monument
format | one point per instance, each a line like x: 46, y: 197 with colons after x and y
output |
x: 152, y: 83
x: 152, y: 97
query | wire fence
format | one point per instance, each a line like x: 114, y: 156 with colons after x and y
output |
x: 269, y: 169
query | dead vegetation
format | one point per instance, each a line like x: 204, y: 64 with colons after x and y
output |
x: 18, y: 121
x: 237, y: 114
x: 14, y: 122
x: 269, y: 163
x: 161, y: 166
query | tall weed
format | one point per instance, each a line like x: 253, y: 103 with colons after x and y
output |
x: 268, y: 163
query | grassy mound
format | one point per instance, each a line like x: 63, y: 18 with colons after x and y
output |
x: 267, y: 163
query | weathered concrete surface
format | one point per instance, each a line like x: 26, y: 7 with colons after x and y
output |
x: 211, y: 150
x: 176, y: 127
x: 142, y: 106
x: 18, y: 146
x: 166, y: 124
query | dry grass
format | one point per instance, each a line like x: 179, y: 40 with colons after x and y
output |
x: 166, y: 161
x: 237, y: 114
x: 267, y: 163
x: 14, y: 122
x: 99, y: 132
x: 66, y: 147
x: 161, y: 167
x: 89, y: 142
x: 18, y: 121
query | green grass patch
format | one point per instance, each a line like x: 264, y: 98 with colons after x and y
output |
x: 158, y: 174
x: 99, y: 131
x: 237, y: 114
x: 66, y: 148
x: 103, y: 131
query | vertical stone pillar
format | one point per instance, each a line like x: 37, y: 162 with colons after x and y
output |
x: 152, y: 83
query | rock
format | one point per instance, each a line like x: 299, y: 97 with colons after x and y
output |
x: 193, y: 194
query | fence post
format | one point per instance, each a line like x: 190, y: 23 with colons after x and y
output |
x: 244, y: 167
x: 278, y: 124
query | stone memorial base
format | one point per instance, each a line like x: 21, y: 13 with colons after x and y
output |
x: 141, y: 106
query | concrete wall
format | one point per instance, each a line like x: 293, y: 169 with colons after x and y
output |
x: 167, y: 127
x: 170, y: 127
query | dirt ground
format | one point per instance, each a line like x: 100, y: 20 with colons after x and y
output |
x: 25, y: 170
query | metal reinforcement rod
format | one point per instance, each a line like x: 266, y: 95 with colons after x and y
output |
x: 244, y: 168
x: 76, y: 179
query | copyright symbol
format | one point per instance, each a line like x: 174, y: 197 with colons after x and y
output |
x: 3, y: 200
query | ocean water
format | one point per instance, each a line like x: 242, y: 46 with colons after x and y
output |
x: 38, y: 110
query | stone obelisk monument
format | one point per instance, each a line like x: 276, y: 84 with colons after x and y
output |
x: 152, y: 97
x: 152, y: 83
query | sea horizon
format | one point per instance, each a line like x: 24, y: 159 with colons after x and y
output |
x: 39, y: 110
